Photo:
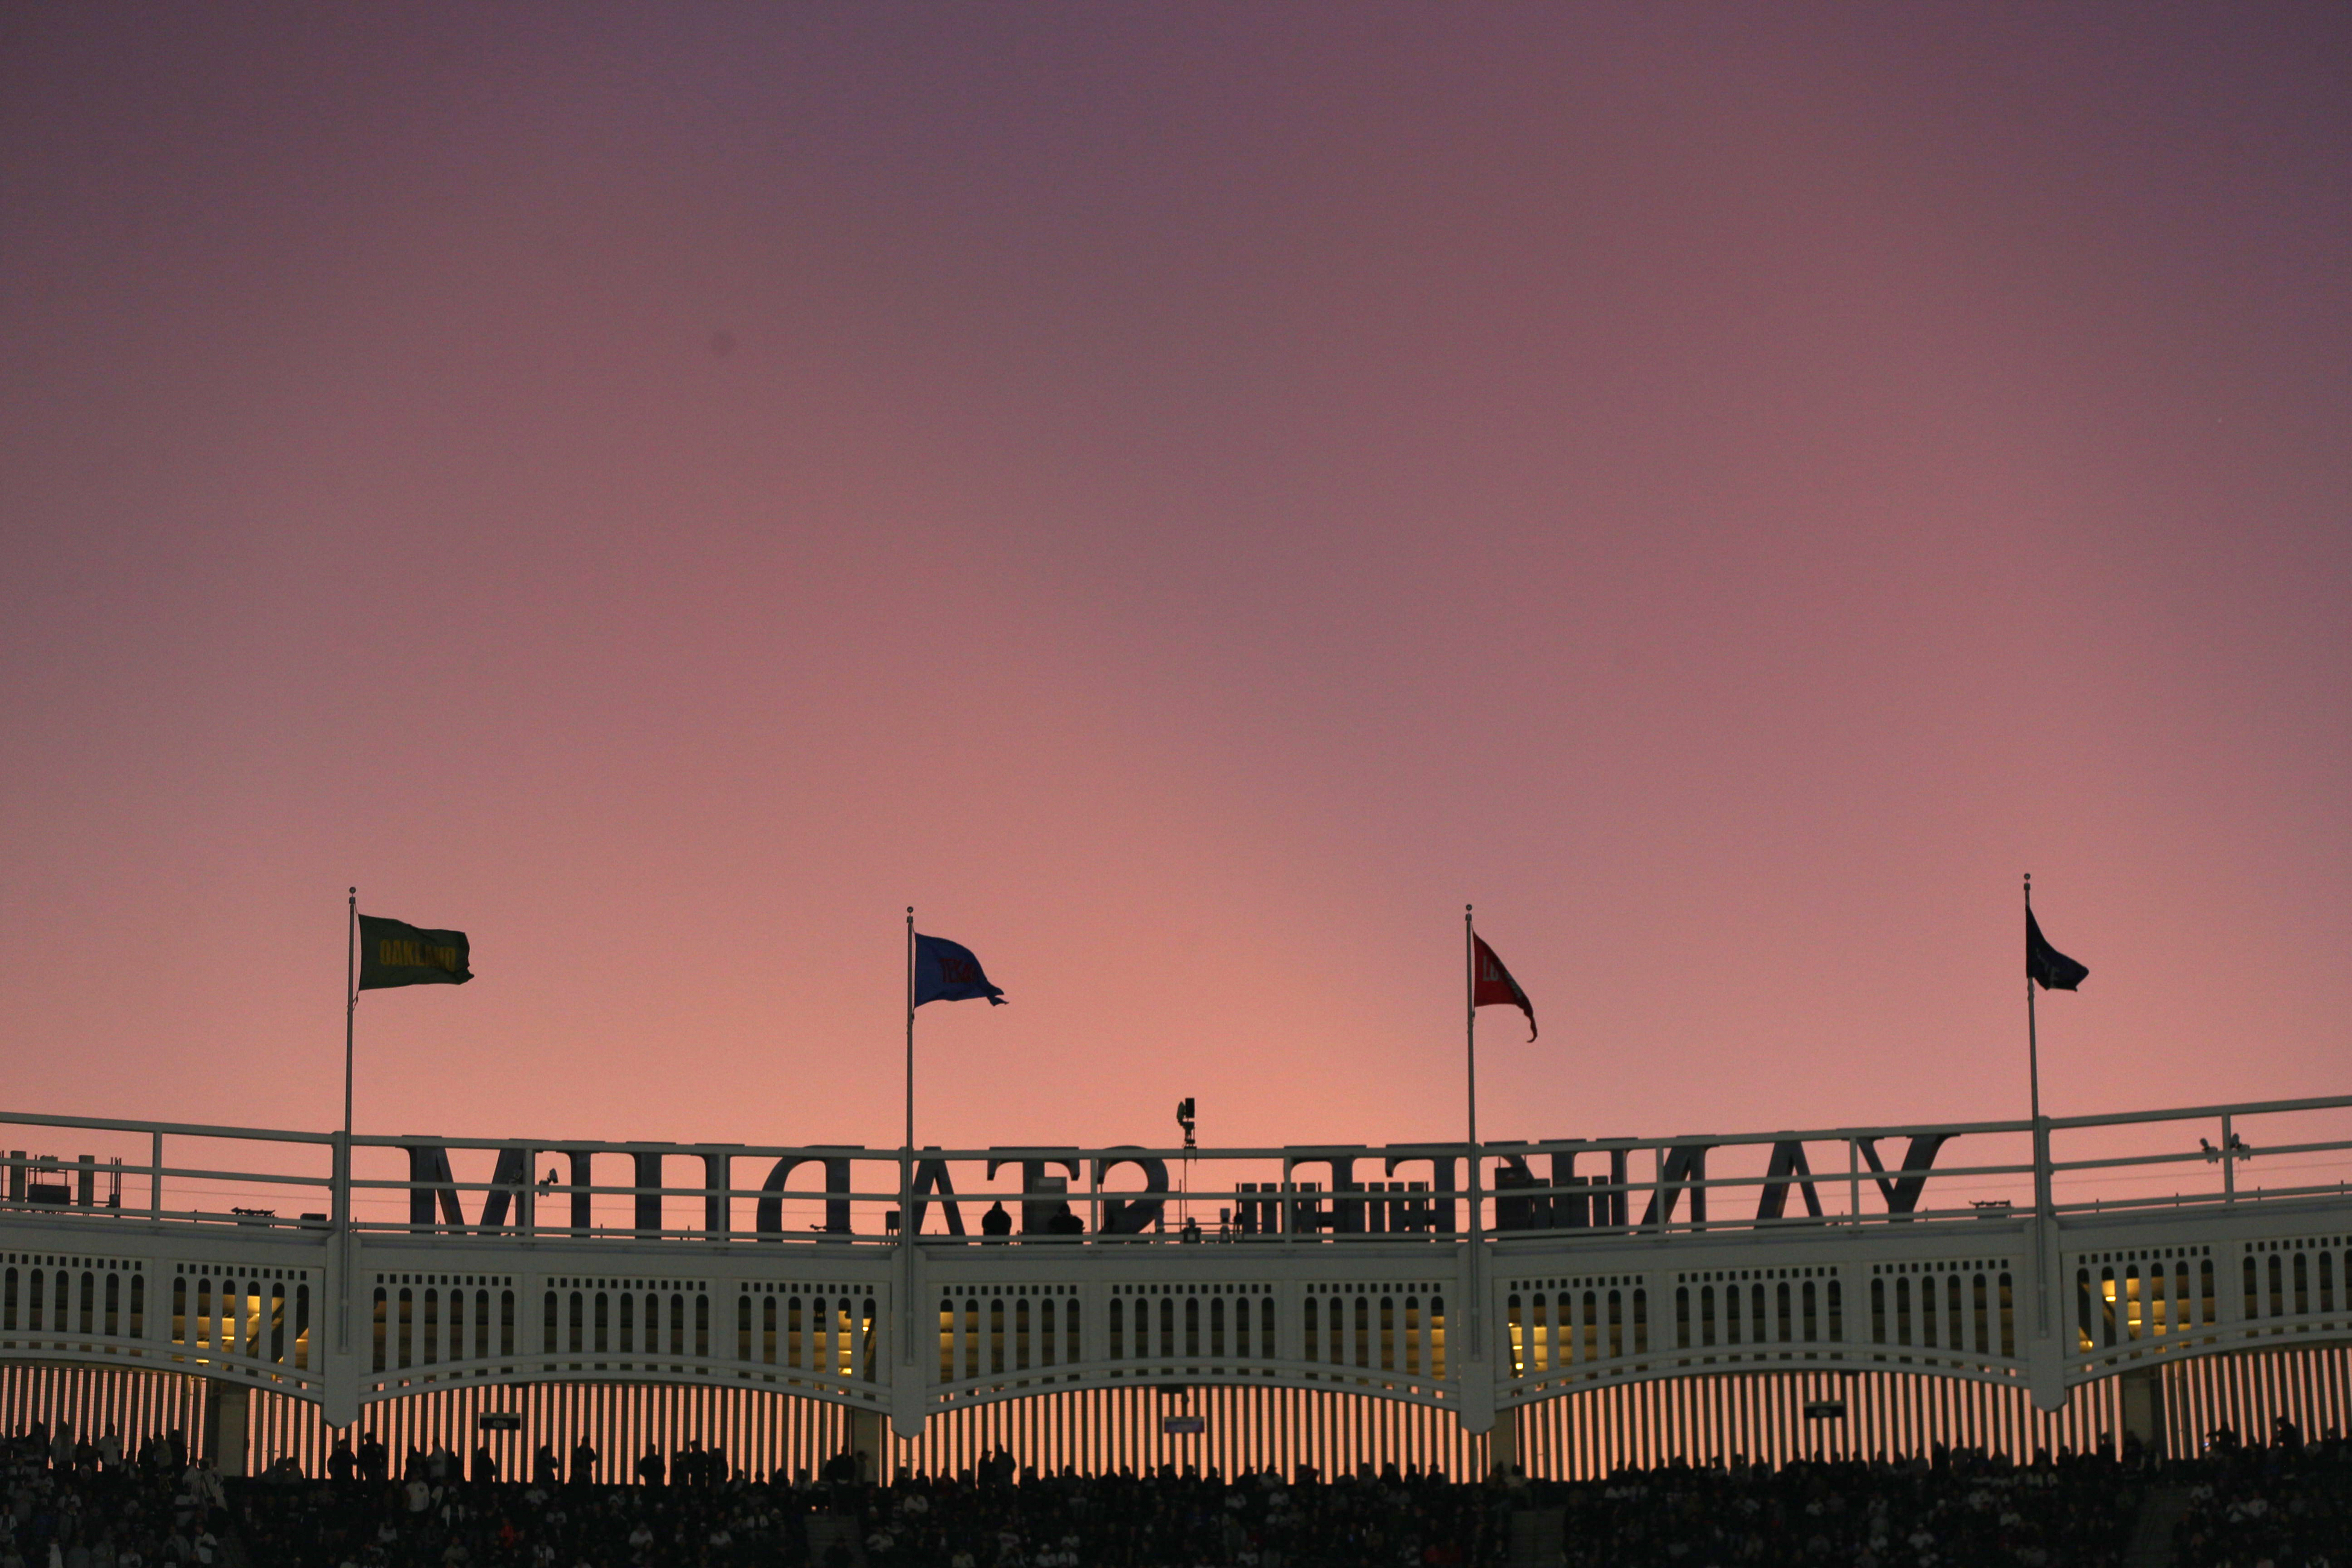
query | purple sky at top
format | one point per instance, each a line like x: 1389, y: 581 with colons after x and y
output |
x: 1187, y: 497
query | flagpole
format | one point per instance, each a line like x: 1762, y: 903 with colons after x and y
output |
x: 2042, y: 1304
x: 343, y: 1154
x: 1470, y: 1014
x: 1470, y: 1052
x: 351, y: 999
x: 907, y: 1168
x: 2042, y: 1196
x: 2033, y: 1040
x: 911, y: 1030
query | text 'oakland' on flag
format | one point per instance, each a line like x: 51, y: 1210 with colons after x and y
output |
x: 946, y: 971
x: 1491, y: 984
x: 394, y: 952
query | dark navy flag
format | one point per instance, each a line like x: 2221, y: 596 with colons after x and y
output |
x: 946, y: 971
x: 2045, y: 965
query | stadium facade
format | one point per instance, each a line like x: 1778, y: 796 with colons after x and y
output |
x: 1567, y: 1306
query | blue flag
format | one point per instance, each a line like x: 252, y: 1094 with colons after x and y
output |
x: 2049, y: 968
x: 946, y: 971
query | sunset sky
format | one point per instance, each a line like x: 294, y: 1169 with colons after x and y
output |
x: 1187, y: 497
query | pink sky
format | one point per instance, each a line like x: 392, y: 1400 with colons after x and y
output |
x: 1187, y: 497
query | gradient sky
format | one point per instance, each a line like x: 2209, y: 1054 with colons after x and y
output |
x: 1187, y: 497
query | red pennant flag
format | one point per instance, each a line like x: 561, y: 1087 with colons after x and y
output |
x: 1491, y: 984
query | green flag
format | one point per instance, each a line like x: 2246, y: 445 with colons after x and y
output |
x: 394, y: 954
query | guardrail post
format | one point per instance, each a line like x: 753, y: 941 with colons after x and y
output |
x: 225, y: 1417
x: 1471, y: 1371
x: 2043, y: 1196
x: 584, y: 1214
x: 718, y: 1181
x: 526, y: 1197
x: 339, y: 1369
x: 647, y: 1177
x: 1474, y: 1289
x: 1658, y: 1186
x: 2045, y: 1351
x: 914, y: 1366
x: 339, y: 1205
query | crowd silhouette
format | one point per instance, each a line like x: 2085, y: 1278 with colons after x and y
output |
x: 75, y: 1503
x: 2288, y: 1503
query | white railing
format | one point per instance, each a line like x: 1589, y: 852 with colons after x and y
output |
x: 348, y: 1272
